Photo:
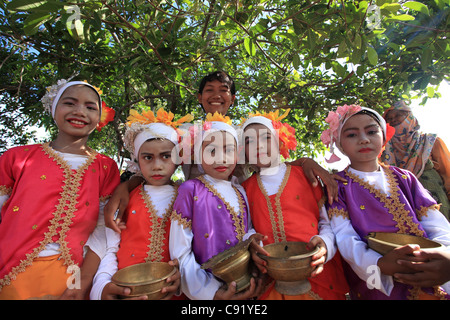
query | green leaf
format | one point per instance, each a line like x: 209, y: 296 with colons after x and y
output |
x: 34, y: 6
x: 34, y: 21
x: 372, y: 55
x: 417, y: 6
x: 249, y: 46
x: 296, y: 61
x: 401, y: 17
x: 430, y: 92
x: 24, y: 5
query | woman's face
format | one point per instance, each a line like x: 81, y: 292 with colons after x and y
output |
x: 396, y: 117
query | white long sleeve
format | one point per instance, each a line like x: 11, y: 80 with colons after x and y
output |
x: 355, y: 251
x: 108, y: 264
x: 196, y: 283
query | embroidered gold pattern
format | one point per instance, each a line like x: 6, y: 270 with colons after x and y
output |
x: 182, y: 221
x: 5, y: 191
x: 62, y: 217
x: 423, y: 211
x: 277, y: 222
x: 158, y: 227
x: 400, y: 215
x: 238, y: 219
x: 416, y: 291
x: 335, y: 212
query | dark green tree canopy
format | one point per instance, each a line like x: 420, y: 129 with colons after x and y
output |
x: 309, y: 56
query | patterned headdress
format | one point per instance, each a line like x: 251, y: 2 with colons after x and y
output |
x: 146, y: 125
x: 283, y: 131
x: 336, y: 120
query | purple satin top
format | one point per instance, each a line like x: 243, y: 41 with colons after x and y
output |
x: 213, y: 226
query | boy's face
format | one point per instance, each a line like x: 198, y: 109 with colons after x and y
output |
x: 216, y: 96
x: 155, y: 161
x: 261, y: 146
x: 219, y: 156
x: 361, y: 140
x: 77, y: 112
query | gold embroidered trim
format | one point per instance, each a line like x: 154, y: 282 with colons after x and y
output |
x: 5, y: 191
x: 62, y: 217
x: 104, y: 198
x: 416, y: 291
x: 399, y: 214
x: 278, y: 232
x: 314, y: 295
x: 158, y: 228
x: 423, y: 211
x: 175, y: 216
x: 335, y: 212
x: 238, y: 219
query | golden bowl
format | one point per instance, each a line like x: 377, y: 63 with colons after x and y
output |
x: 145, y: 279
x: 289, y: 264
x: 384, y: 242
x: 232, y: 265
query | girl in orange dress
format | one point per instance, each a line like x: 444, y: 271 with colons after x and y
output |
x: 145, y: 229
x: 284, y: 206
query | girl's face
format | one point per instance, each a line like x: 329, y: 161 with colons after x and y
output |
x: 261, y: 146
x: 77, y: 112
x: 216, y: 96
x: 362, y: 140
x: 219, y: 155
x: 155, y: 161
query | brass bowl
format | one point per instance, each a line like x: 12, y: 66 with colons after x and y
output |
x: 384, y: 242
x: 232, y: 265
x: 289, y: 264
x: 145, y: 279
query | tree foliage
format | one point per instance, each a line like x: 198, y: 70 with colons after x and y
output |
x: 309, y: 56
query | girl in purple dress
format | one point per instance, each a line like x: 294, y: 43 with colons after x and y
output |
x: 210, y: 214
x: 378, y: 198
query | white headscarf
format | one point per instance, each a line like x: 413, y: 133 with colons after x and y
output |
x: 51, y: 98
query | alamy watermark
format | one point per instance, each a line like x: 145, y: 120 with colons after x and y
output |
x: 75, y: 16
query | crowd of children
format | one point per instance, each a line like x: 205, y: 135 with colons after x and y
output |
x: 64, y: 209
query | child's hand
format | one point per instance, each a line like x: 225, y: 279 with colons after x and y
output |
x: 434, y: 269
x: 318, y: 259
x: 256, y: 248
x: 389, y: 262
x: 175, y: 278
x: 112, y: 292
x: 313, y: 170
x: 229, y: 293
x: 118, y: 202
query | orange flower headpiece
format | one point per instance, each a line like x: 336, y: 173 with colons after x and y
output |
x: 272, y: 120
x: 147, y: 125
x: 162, y: 116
